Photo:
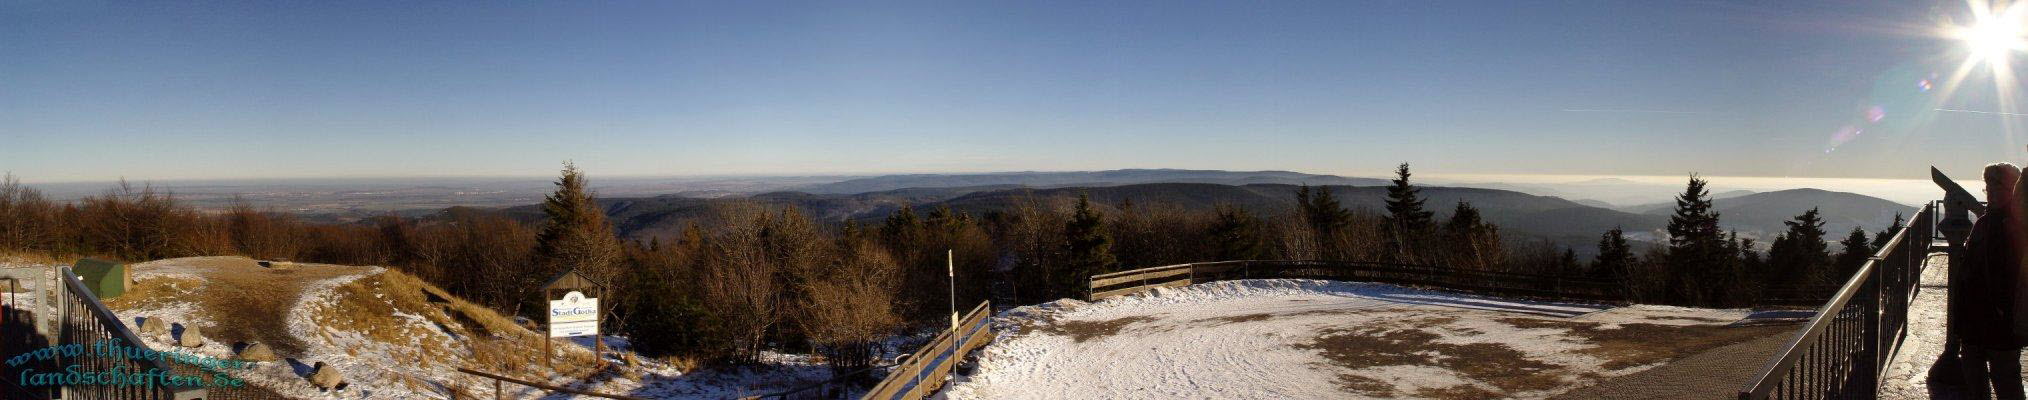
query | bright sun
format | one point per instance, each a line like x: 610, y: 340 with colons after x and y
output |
x: 1993, y: 37
x: 1994, y: 34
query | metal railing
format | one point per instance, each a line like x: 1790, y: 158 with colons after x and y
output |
x: 1845, y: 350
x: 85, y: 322
x: 61, y: 312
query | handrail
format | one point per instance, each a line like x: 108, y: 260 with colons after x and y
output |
x: 930, y: 365
x: 544, y: 386
x: 111, y: 325
x: 1884, y: 283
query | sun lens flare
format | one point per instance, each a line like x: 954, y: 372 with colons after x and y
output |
x: 1993, y: 37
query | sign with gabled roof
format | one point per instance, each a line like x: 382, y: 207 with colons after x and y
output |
x: 575, y: 314
x: 571, y: 280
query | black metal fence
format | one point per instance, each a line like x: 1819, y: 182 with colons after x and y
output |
x: 1844, y: 351
x: 86, y: 322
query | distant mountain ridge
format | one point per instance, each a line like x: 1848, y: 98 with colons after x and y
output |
x: 1116, y: 177
x: 1764, y: 212
x: 1523, y: 216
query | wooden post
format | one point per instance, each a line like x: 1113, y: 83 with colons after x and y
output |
x: 497, y: 393
x: 599, y: 339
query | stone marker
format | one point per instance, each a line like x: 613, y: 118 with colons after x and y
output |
x: 326, y: 376
x: 192, y: 337
x: 257, y: 352
x: 154, y: 326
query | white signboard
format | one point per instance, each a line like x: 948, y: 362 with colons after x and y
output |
x: 575, y: 315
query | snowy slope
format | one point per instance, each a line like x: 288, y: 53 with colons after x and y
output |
x: 412, y: 352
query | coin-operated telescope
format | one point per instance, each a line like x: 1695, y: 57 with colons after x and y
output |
x: 1958, y: 206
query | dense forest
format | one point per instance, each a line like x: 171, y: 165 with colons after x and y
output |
x: 755, y: 277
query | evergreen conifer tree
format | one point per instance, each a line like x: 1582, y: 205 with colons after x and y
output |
x: 1614, y: 258
x: 1404, y: 202
x: 1327, y: 219
x: 1237, y: 235
x: 1800, y: 256
x: 1880, y: 239
x: 1854, y: 251
x: 1406, y: 219
x: 1474, y: 242
x: 1087, y: 247
x: 1697, y: 250
x: 575, y: 233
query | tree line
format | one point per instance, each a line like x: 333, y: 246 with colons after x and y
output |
x: 1703, y: 265
x: 754, y: 277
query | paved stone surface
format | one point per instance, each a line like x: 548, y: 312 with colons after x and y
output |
x: 1909, y: 376
x: 1719, y: 373
x: 1713, y: 374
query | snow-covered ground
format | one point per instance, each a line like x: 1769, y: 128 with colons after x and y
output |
x: 1321, y: 339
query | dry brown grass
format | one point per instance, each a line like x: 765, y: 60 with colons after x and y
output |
x: 1240, y: 318
x: 1638, y: 344
x: 1460, y: 392
x: 251, y: 303
x: 157, y: 292
x: 1365, y: 386
x: 1082, y: 331
x: 243, y: 301
x: 1411, y: 344
x: 35, y: 258
x: 491, y: 341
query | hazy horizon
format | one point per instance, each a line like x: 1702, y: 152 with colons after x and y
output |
x: 1618, y: 190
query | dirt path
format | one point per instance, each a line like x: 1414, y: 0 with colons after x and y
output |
x: 236, y: 292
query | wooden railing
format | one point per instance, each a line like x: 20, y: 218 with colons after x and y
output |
x: 923, y: 372
x: 1486, y: 282
x: 1845, y: 350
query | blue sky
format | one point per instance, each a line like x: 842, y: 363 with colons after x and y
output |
x: 95, y: 91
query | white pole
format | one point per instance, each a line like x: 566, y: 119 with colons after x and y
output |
x: 951, y: 269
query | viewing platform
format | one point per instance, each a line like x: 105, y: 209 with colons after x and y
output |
x: 1910, y: 376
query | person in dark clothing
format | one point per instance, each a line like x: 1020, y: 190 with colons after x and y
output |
x: 1988, y: 352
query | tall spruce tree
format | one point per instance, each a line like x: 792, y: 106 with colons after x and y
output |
x: 1472, y: 241
x: 1406, y: 219
x: 1087, y: 247
x: 1853, y: 251
x: 575, y: 234
x: 1615, y: 258
x: 1880, y: 239
x: 1697, y: 250
x: 1404, y: 202
x: 1327, y: 218
x: 1799, y: 255
x: 1236, y: 235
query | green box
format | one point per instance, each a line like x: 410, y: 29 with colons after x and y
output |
x: 106, y: 279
